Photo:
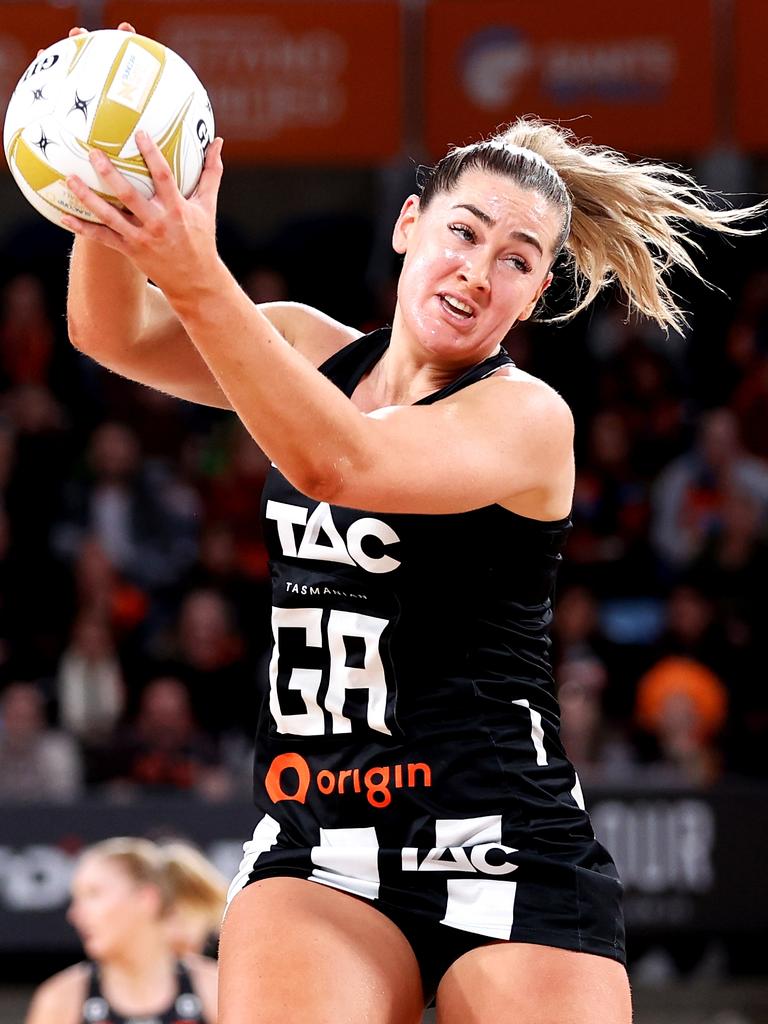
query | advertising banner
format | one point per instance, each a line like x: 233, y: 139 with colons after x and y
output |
x: 689, y: 861
x: 750, y: 74
x: 289, y: 82
x: 642, y: 82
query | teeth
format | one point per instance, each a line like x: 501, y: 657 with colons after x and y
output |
x: 457, y: 304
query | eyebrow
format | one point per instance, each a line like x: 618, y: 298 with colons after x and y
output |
x: 520, y: 236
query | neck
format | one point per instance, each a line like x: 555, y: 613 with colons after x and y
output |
x: 408, y: 372
x: 147, y: 957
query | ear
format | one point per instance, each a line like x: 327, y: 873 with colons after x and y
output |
x: 527, y: 312
x: 404, y: 224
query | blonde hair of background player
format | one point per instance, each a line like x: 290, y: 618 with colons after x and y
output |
x: 199, y: 896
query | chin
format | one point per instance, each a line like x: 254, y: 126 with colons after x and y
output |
x: 95, y: 948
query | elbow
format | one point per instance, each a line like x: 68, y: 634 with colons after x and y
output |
x: 320, y: 487
x: 79, y: 337
x: 329, y: 484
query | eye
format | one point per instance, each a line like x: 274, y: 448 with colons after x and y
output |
x: 463, y: 231
x: 520, y: 264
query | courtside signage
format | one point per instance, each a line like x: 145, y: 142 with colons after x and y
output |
x: 643, y: 82
x: 290, y: 82
x: 749, y: 71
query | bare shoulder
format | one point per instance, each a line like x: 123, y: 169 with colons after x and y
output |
x: 59, y: 999
x: 531, y: 418
x: 204, y: 973
x: 312, y: 332
x: 525, y: 400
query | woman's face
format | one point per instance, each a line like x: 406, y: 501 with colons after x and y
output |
x: 108, y: 905
x: 477, y: 259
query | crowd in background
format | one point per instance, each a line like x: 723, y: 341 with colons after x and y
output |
x: 134, y: 586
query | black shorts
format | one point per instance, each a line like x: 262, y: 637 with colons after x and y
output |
x: 545, y: 900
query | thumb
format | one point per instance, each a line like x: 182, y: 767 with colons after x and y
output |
x: 208, y: 187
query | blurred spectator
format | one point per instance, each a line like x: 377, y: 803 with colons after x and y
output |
x: 37, y: 763
x: 611, y: 510
x: 89, y: 681
x: 233, y: 495
x: 40, y: 457
x: 219, y: 567
x: 144, y: 518
x: 26, y: 333
x: 682, y: 705
x: 598, y: 749
x: 162, y: 750
x: 100, y: 590
x: 208, y: 654
x: 750, y: 403
x: 746, y: 343
x: 583, y: 655
x: 733, y: 565
x: 692, y: 629
x: 690, y: 492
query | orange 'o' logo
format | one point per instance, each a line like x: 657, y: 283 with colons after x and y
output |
x: 274, y: 784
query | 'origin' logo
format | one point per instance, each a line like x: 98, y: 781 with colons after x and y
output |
x: 376, y: 782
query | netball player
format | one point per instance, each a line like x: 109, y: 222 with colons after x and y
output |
x: 122, y: 893
x: 418, y: 825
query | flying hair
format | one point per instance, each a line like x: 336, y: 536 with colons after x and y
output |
x: 625, y: 222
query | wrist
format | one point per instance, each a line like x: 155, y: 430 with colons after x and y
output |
x: 195, y: 299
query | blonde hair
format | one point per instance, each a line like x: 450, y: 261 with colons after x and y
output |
x: 197, y: 885
x: 623, y: 221
x: 179, y: 871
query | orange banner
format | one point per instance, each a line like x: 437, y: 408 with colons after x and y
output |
x: 639, y: 78
x: 289, y: 81
x: 25, y: 29
x: 750, y: 78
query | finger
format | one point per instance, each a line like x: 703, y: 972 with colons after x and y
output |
x: 208, y: 187
x: 108, y: 214
x: 126, y: 26
x: 78, y: 32
x: 119, y: 186
x: 95, y: 232
x: 166, y: 188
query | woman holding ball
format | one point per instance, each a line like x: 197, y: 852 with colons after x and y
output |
x: 419, y: 828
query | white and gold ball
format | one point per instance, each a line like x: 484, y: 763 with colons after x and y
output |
x: 97, y: 90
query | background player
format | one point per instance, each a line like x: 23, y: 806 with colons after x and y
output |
x: 123, y: 892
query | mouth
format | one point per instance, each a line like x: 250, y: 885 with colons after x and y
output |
x: 456, y: 308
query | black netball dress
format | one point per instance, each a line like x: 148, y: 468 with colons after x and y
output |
x: 186, y: 1008
x: 408, y: 748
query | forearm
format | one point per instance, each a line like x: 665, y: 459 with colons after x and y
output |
x: 305, y: 425
x: 106, y: 299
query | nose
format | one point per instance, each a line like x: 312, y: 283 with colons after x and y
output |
x: 476, y: 275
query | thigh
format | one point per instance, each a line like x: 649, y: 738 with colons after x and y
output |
x: 522, y: 983
x: 296, y: 951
